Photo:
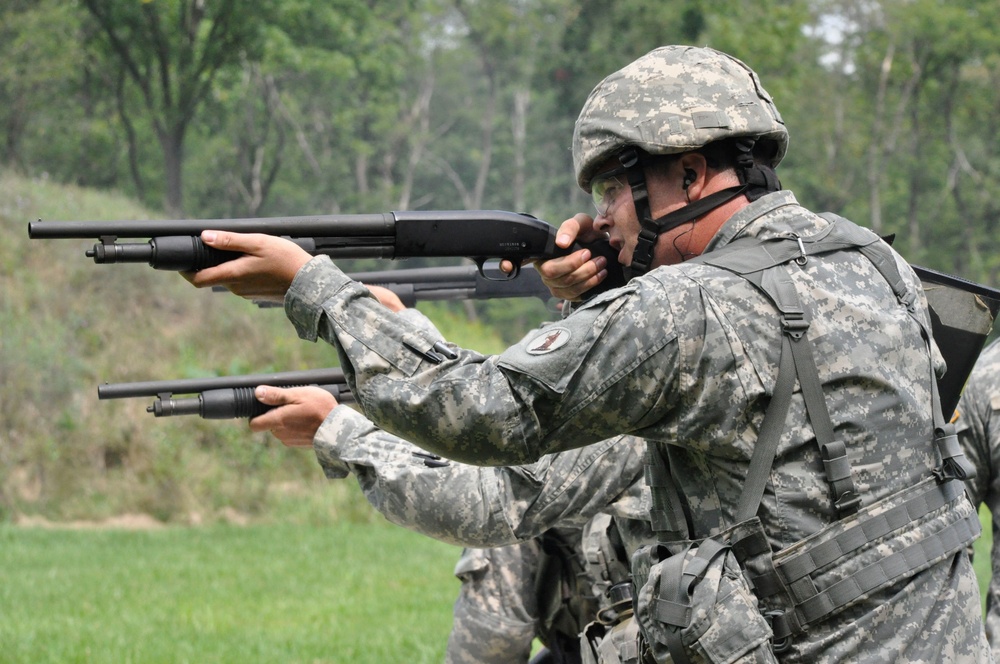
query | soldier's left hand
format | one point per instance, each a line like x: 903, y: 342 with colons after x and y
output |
x: 264, y: 271
x: 298, y: 414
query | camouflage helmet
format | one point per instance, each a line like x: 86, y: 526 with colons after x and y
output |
x: 674, y: 99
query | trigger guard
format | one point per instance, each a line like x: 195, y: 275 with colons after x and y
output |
x: 508, y: 276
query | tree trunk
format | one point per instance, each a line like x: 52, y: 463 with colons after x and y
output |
x: 172, y: 143
x: 519, y: 128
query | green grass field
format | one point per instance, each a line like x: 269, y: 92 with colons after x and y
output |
x: 346, y: 593
x: 981, y: 555
x: 297, y: 593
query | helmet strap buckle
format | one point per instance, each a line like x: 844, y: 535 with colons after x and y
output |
x: 642, y: 257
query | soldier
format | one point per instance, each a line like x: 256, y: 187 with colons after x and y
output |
x: 979, y: 431
x: 533, y: 581
x: 741, y: 299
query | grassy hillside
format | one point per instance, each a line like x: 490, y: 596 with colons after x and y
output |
x: 69, y: 325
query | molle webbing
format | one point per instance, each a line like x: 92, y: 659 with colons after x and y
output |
x: 790, y: 588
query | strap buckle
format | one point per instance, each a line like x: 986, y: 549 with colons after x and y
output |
x: 794, y: 325
x: 776, y: 619
x: 848, y: 503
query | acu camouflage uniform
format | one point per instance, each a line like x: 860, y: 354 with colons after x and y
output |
x: 516, y: 511
x: 531, y: 516
x: 979, y: 432
x: 686, y: 356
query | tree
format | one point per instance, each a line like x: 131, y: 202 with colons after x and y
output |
x: 171, y: 50
x: 39, y: 57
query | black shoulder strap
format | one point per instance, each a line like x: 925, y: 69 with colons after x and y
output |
x: 764, y: 264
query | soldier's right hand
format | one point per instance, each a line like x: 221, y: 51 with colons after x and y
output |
x: 568, y: 277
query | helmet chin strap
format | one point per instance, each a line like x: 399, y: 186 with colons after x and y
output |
x: 755, y: 182
x: 651, y: 229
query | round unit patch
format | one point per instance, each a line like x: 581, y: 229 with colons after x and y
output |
x: 548, y: 341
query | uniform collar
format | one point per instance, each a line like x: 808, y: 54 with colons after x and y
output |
x: 738, y: 224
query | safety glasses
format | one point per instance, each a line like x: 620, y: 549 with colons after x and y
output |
x: 605, y: 188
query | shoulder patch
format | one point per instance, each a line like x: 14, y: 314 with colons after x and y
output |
x: 548, y: 340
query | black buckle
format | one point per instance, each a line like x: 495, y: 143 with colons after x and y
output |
x: 795, y: 326
x: 778, y: 645
x: 848, y: 503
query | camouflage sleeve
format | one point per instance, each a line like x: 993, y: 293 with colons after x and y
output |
x: 979, y: 432
x: 556, y: 390
x: 475, y: 506
x: 980, y: 443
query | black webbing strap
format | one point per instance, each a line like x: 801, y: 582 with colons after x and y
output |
x: 762, y: 264
x: 642, y: 255
x: 673, y: 606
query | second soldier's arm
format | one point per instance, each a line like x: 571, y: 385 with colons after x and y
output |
x: 471, y: 505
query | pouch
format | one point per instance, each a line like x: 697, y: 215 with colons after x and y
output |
x: 696, y: 606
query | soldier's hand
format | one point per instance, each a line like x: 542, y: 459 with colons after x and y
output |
x: 569, y: 277
x: 388, y: 299
x: 298, y: 414
x: 264, y: 271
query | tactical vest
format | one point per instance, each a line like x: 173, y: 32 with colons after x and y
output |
x: 565, y: 601
x: 612, y: 638
x: 811, y: 581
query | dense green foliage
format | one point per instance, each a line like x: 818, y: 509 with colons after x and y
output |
x: 219, y: 594
x: 305, y: 106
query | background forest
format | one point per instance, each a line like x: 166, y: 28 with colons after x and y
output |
x: 221, y: 108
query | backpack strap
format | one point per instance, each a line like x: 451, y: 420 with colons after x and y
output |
x: 763, y: 263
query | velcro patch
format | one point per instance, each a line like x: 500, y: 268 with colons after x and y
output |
x: 548, y: 340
